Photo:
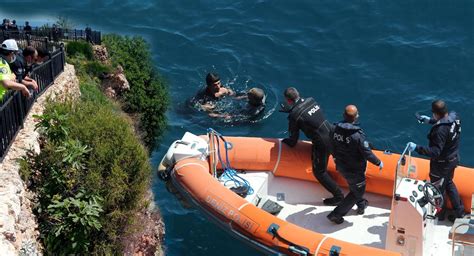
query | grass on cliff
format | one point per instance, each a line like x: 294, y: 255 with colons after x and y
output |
x: 92, y: 173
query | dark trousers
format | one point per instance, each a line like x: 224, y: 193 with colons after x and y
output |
x: 439, y: 170
x: 356, y: 181
x: 320, y: 156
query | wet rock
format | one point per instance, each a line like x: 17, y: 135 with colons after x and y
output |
x: 147, y: 236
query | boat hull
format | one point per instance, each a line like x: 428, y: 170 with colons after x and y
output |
x: 251, y: 224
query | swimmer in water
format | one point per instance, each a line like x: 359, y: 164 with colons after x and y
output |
x: 213, y: 91
x: 255, y: 105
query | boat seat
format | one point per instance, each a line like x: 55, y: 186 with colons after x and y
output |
x: 464, y: 229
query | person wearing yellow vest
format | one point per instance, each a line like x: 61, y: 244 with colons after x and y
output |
x: 7, y: 78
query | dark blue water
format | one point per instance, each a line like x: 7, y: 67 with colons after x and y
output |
x: 390, y: 58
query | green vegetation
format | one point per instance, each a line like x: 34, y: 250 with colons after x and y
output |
x: 92, y: 173
x: 148, y: 93
x: 90, y: 177
x: 79, y: 48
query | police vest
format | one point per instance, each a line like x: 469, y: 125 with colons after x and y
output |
x: 5, y: 74
x: 309, y: 115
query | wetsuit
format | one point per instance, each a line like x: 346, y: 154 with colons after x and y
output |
x: 307, y: 115
x: 443, y: 150
x: 351, y: 151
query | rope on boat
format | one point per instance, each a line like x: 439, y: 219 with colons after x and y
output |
x: 229, y: 174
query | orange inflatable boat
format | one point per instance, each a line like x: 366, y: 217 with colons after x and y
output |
x: 264, y: 193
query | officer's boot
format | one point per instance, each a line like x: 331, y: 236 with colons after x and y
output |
x: 333, y: 201
x: 361, y: 205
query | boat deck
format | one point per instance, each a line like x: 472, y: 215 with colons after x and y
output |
x: 303, y: 206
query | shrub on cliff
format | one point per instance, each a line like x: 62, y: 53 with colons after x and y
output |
x: 148, y: 93
x: 76, y: 48
x: 90, y: 178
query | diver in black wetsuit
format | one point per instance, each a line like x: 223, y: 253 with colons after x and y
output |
x: 443, y: 151
x: 307, y: 115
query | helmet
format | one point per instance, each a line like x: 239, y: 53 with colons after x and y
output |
x: 10, y: 45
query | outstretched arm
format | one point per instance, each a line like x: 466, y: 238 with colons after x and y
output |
x: 294, y: 131
x: 12, y: 85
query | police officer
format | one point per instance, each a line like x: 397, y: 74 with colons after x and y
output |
x: 443, y: 150
x: 7, y: 77
x: 307, y: 115
x: 18, y: 65
x: 351, y: 152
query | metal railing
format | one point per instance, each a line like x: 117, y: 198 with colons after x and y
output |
x: 24, y: 40
x: 54, y: 34
x: 14, y: 107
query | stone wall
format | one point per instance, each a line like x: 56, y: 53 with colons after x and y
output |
x: 18, y: 227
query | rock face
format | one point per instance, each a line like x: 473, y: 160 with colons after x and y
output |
x: 18, y: 227
x: 101, y: 54
x: 115, y: 84
x: 146, y: 234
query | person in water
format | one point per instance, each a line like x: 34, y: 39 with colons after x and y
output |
x: 255, y: 106
x: 443, y: 150
x: 351, y: 153
x: 307, y: 115
x: 213, y: 91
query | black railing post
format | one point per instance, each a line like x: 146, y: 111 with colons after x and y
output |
x: 51, y: 66
x: 46, y: 43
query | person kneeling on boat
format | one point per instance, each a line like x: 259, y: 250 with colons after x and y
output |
x: 351, y: 152
x: 443, y: 151
x: 307, y: 115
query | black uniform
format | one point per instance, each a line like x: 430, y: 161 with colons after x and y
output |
x: 307, y: 115
x: 19, y: 67
x: 443, y: 150
x: 27, y: 29
x: 351, y: 152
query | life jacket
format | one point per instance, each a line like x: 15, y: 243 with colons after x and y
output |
x: 5, y: 74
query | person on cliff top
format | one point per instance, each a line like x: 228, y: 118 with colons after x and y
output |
x: 20, y: 67
x: 7, y: 77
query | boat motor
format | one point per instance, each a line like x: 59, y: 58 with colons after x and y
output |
x: 188, y: 146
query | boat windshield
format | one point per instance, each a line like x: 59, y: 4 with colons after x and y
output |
x: 406, y: 168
